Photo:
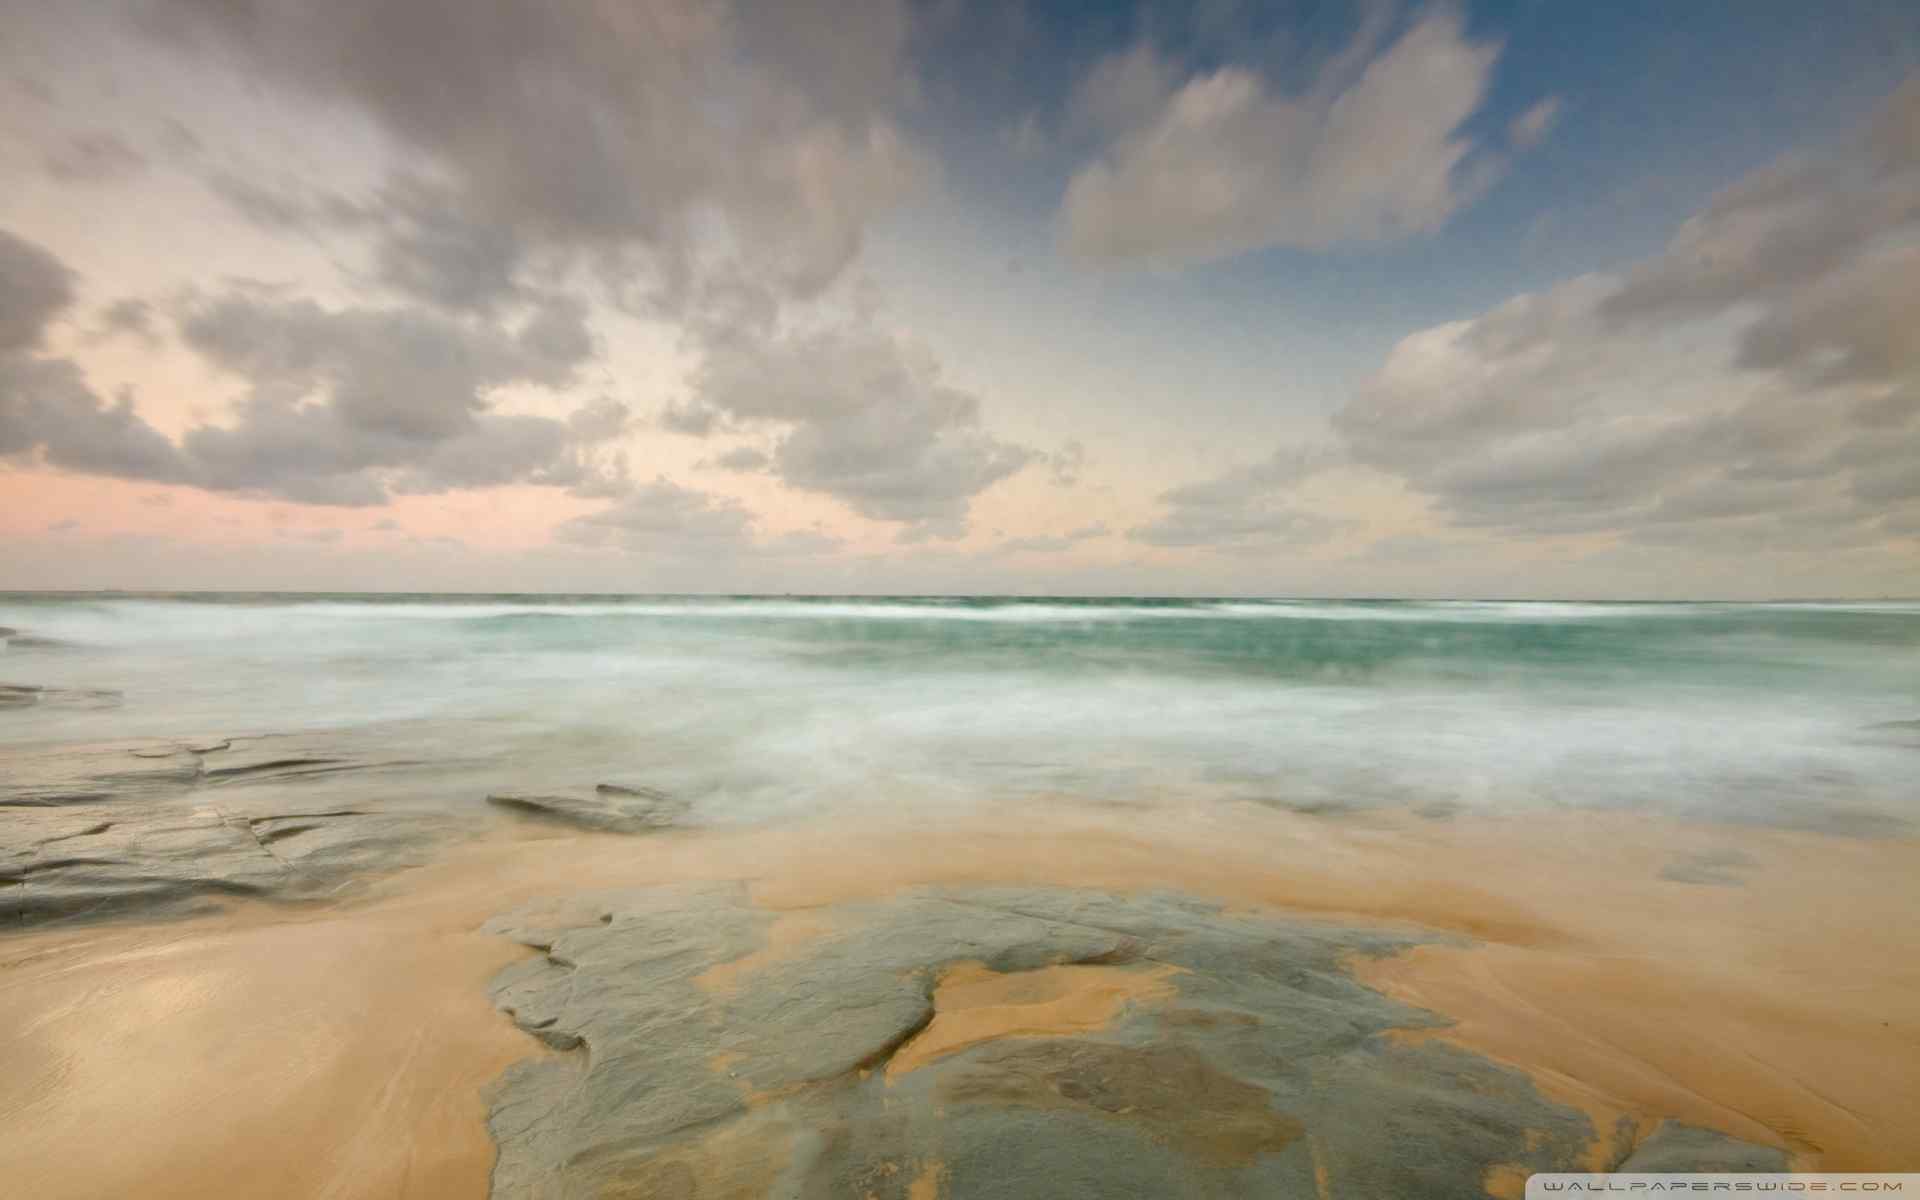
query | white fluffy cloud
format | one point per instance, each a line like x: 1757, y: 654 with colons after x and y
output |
x: 1226, y: 163
x: 1755, y: 385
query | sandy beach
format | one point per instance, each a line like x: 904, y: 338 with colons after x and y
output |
x: 343, y: 1049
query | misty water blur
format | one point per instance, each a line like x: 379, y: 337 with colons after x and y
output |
x: 766, y: 709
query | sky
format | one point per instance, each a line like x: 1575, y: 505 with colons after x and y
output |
x: 1513, y: 299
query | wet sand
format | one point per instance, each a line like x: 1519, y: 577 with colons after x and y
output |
x: 341, y: 1050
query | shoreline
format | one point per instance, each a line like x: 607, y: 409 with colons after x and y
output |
x: 318, y: 1046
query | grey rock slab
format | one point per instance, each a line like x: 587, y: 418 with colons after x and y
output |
x: 170, y: 826
x: 612, y: 808
x: 27, y: 695
x: 283, y: 757
x: 1269, y: 1068
x: 91, y: 860
x: 27, y: 641
x: 1677, y: 1147
x: 86, y: 773
x: 78, y: 773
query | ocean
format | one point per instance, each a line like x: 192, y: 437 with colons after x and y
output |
x: 765, y: 709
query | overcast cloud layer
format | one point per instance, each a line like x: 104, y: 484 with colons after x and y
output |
x: 716, y: 294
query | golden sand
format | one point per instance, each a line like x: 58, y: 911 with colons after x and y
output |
x: 336, y: 1055
x: 340, y: 1051
x: 972, y: 1004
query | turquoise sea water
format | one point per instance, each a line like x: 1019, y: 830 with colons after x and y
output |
x: 1796, y: 714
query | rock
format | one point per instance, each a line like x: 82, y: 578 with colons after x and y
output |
x: 281, y: 757
x: 82, y: 773
x: 98, y: 860
x: 1677, y: 1147
x: 26, y: 695
x: 145, y: 769
x: 171, y: 826
x: 703, y: 1057
x: 13, y: 639
x: 609, y: 807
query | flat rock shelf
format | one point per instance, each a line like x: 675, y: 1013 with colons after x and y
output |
x: 998, y: 1042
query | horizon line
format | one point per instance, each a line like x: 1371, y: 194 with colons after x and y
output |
x: 151, y: 593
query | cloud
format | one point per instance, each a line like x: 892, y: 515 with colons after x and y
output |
x: 1756, y: 385
x: 1528, y: 129
x: 864, y: 417
x: 696, y: 537
x: 34, y: 288
x: 278, y: 206
x: 318, y: 537
x: 95, y: 157
x: 343, y: 406
x: 801, y: 543
x: 743, y: 458
x: 130, y: 316
x: 1065, y: 464
x: 664, y: 520
x: 1051, y: 544
x: 598, y: 128
x: 1245, y: 506
x: 694, y: 420
x: 349, y: 406
x: 1122, y: 92
x: 47, y: 407
x: 1224, y: 164
x: 432, y: 251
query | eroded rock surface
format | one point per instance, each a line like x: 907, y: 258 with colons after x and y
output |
x: 609, y: 807
x: 1677, y: 1147
x: 701, y: 1057
x: 96, y: 829
x: 23, y: 641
